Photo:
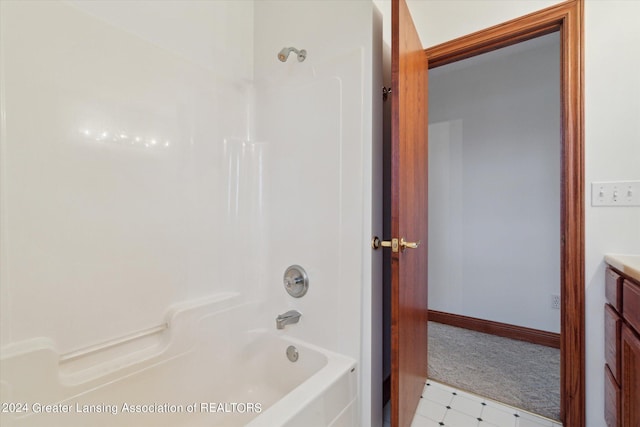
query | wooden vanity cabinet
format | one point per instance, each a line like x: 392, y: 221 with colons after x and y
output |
x: 630, y: 377
x: 622, y: 350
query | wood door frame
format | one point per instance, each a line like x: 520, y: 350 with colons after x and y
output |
x: 567, y: 19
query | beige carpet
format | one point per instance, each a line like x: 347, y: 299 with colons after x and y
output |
x: 514, y: 372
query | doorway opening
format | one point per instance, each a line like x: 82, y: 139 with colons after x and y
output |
x: 408, y: 168
x: 566, y: 20
x: 494, y: 225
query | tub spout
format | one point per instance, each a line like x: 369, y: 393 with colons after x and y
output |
x: 291, y: 316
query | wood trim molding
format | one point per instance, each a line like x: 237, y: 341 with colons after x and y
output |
x: 505, y: 330
x: 526, y: 27
x: 567, y: 18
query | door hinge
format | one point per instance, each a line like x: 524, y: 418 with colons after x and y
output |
x: 386, y: 91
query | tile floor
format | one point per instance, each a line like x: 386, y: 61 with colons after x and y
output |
x: 442, y: 405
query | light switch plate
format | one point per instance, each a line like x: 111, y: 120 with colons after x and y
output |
x: 618, y: 193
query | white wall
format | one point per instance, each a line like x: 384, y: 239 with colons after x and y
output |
x: 612, y: 136
x: 102, y: 232
x: 315, y: 120
x: 494, y: 185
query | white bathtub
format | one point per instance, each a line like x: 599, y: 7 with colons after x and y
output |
x: 207, y: 368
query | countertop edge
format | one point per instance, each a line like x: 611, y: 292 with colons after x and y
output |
x: 627, y: 264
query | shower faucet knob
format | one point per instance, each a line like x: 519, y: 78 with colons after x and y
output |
x: 296, y: 281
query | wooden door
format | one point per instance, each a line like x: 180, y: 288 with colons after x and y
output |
x: 408, y: 216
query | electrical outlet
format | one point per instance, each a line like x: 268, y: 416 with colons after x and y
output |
x: 555, y: 302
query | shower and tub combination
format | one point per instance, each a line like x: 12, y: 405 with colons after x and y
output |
x: 209, y: 365
x: 211, y: 362
x: 184, y: 223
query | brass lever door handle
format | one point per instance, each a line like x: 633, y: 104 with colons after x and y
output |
x: 394, y: 244
x: 408, y: 245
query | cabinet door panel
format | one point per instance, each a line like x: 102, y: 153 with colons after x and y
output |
x: 613, y: 289
x: 611, y: 399
x: 612, y: 325
x: 630, y: 378
x: 631, y: 304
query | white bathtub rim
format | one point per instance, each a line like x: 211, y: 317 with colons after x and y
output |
x: 304, y: 394
x: 185, y: 318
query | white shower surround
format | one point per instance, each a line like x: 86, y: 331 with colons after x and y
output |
x: 142, y: 166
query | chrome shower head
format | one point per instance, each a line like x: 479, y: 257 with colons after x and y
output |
x: 283, y: 55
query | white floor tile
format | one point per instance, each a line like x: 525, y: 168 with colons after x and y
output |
x: 430, y: 409
x: 526, y: 419
x: 466, y: 410
x: 498, y: 415
x: 442, y: 386
x: 471, y: 396
x: 454, y: 418
x: 420, y: 421
x: 437, y: 393
x: 467, y: 405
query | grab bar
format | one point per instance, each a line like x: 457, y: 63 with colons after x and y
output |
x: 112, y: 343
